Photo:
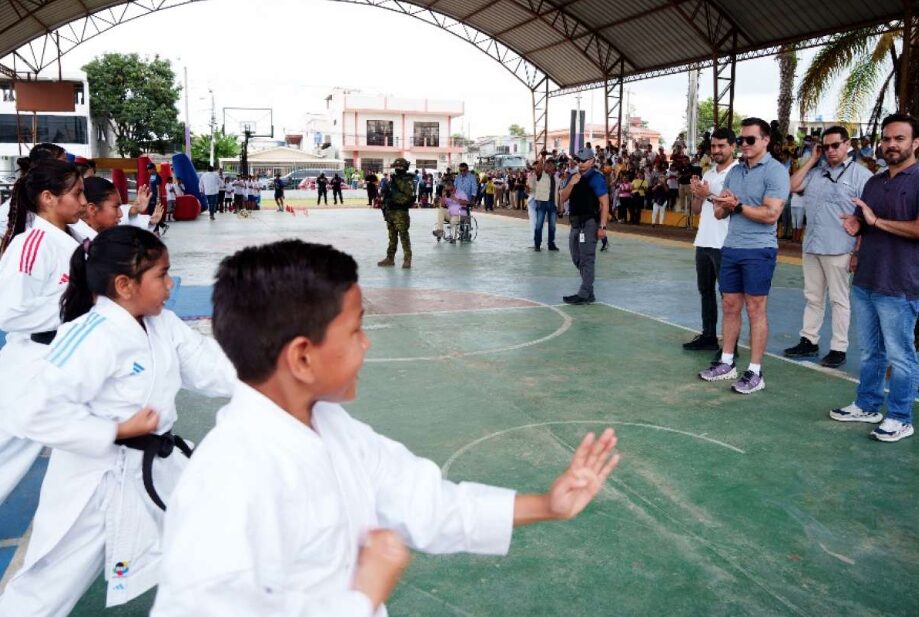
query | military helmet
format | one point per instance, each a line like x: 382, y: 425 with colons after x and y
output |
x: 400, y: 163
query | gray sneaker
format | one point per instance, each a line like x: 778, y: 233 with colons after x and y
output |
x: 749, y: 383
x: 719, y: 371
x: 854, y: 413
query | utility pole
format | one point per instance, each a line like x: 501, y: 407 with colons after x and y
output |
x: 213, y: 129
x: 187, y: 120
x: 577, y: 132
x: 692, y: 111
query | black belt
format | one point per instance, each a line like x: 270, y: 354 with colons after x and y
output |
x: 43, y: 338
x: 155, y: 446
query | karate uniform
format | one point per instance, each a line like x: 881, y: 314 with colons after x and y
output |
x: 269, y: 515
x: 94, y: 513
x: 34, y: 272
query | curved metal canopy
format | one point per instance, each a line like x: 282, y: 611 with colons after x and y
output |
x: 575, y: 43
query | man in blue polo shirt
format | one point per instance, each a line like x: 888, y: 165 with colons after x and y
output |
x: 754, y: 194
x: 588, y: 201
x: 885, y: 289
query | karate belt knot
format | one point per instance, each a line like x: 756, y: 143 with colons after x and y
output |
x: 155, y: 446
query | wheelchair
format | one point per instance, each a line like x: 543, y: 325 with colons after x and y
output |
x: 465, y: 231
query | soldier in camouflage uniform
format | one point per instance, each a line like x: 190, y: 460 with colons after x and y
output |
x: 397, y: 199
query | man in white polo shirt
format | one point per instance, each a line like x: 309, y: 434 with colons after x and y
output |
x: 711, y: 234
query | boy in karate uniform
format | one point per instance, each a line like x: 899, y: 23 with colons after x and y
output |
x: 270, y: 515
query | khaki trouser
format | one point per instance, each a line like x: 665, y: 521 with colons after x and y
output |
x: 822, y: 273
x: 684, y: 201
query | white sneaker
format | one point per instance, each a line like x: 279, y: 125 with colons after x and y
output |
x: 854, y: 413
x: 892, y: 430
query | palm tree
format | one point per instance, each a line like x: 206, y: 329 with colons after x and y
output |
x: 869, y: 62
x: 788, y: 63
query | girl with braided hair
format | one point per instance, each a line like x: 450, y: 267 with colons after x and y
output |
x: 40, y: 152
x: 34, y: 270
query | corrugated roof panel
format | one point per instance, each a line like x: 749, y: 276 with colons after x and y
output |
x: 600, y: 12
x: 500, y: 16
x: 657, y: 37
x: 567, y: 61
x: 533, y: 35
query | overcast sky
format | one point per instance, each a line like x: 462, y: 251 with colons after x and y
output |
x: 289, y: 54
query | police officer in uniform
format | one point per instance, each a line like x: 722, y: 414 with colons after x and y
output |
x: 397, y: 199
x: 588, y: 200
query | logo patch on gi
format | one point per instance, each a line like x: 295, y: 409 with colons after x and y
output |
x: 137, y: 369
x: 121, y: 569
x: 64, y: 279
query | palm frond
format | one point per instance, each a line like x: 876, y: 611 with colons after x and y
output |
x: 859, y: 87
x: 884, y: 44
x: 829, y: 62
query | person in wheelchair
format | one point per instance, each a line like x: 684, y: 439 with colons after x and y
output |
x: 453, y: 207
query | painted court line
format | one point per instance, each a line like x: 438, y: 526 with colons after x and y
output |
x: 608, y: 422
x: 566, y: 324
x: 467, y: 310
x: 806, y: 364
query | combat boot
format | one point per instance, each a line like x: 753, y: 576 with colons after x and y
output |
x: 407, y: 263
x: 389, y: 261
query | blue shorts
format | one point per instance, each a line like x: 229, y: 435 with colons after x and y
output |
x: 747, y: 271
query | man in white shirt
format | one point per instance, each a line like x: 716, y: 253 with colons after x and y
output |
x: 545, y: 192
x: 711, y: 235
x: 210, y: 186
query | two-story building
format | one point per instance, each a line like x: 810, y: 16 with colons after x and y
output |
x: 71, y: 130
x: 369, y: 132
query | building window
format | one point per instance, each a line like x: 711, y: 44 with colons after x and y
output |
x: 349, y: 163
x: 56, y: 129
x: 372, y: 165
x: 79, y: 97
x: 503, y: 150
x: 427, y: 135
x: 379, y: 133
x: 426, y: 164
x: 7, y: 93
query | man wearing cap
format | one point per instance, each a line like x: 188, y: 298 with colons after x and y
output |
x: 589, y: 206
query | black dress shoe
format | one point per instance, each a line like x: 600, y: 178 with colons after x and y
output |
x: 537, y: 249
x: 803, y: 349
x: 552, y: 247
x: 577, y: 300
x: 702, y: 343
x: 834, y: 359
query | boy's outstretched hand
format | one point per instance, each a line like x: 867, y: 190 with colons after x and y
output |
x: 576, y: 487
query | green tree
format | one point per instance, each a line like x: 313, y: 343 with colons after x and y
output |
x: 707, y: 116
x: 868, y: 64
x: 225, y: 146
x: 516, y: 130
x: 137, y: 99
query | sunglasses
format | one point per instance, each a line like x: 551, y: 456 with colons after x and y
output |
x: 834, y: 145
x: 749, y: 140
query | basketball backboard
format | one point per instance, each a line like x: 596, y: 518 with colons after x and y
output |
x: 258, y: 121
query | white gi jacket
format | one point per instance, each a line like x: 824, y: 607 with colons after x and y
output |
x: 34, y: 272
x: 269, y: 515
x: 101, y: 369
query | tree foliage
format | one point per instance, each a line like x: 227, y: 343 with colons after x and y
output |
x: 866, y: 62
x: 225, y: 146
x: 707, y: 116
x: 516, y: 130
x: 137, y: 98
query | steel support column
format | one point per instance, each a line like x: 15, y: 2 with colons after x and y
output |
x: 540, y: 94
x: 613, y: 103
x: 724, y: 72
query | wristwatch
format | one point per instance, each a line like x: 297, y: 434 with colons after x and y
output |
x: 737, y: 208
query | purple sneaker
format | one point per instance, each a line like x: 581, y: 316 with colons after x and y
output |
x: 719, y: 371
x: 749, y: 383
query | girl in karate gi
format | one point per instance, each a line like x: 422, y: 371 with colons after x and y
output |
x: 34, y: 269
x: 104, y: 209
x: 119, y: 352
